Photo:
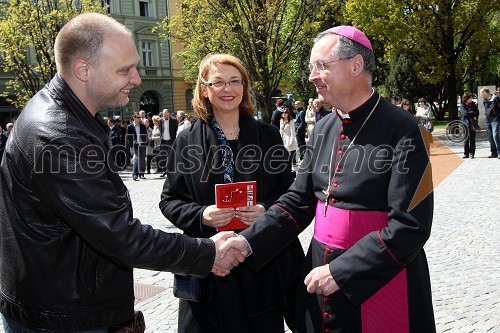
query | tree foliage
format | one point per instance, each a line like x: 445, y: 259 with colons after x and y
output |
x: 444, y: 37
x: 28, y: 29
x: 265, y: 35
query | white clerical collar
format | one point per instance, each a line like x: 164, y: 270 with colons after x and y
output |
x: 343, y: 115
x: 346, y: 115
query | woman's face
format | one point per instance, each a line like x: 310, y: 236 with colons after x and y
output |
x: 227, y: 98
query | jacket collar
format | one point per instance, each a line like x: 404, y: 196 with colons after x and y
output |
x: 95, y: 125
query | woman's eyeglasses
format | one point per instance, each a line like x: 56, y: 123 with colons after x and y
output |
x: 221, y: 84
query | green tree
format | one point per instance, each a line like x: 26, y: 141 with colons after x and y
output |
x: 265, y: 35
x: 27, y: 33
x: 325, y: 14
x: 439, y: 33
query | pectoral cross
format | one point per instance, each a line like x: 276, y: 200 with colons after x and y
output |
x: 327, y: 193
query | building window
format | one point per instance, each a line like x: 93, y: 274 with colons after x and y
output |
x: 144, y: 8
x: 148, y: 54
x: 189, y: 99
x: 107, y: 3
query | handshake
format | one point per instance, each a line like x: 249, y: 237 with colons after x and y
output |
x: 231, y: 249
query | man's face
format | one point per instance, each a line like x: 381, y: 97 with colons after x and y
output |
x: 137, y: 119
x: 110, y: 81
x: 332, y: 83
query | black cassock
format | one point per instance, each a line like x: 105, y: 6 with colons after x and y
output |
x: 381, y: 182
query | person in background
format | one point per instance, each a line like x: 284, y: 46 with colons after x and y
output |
x: 469, y: 114
x: 367, y: 184
x: 310, y: 117
x: 319, y: 111
x: 68, y: 237
x: 142, y: 113
x: 137, y: 139
x: 288, y: 135
x: 168, y: 128
x: 117, y: 137
x: 492, y: 111
x: 300, y: 126
x: 150, y: 118
x: 423, y: 114
x: 149, y: 146
x: 407, y: 106
x: 156, y: 137
x: 9, y: 128
x: 182, y: 121
x: 276, y: 116
x: 230, y: 146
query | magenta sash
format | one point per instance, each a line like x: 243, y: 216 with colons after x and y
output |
x: 387, y: 309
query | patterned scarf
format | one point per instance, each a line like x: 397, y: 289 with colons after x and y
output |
x: 226, y: 152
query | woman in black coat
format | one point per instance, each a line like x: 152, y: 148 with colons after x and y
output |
x: 228, y: 145
x: 469, y: 114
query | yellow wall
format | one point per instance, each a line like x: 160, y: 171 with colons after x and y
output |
x: 180, y: 86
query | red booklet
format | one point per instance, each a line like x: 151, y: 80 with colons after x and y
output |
x: 235, y: 195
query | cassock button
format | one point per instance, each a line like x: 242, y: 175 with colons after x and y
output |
x: 335, y: 185
x: 326, y: 315
x: 340, y: 152
x: 328, y: 250
x: 343, y: 136
x: 332, y: 200
x: 338, y: 169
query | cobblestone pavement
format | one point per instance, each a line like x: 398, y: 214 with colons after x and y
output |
x: 463, y: 250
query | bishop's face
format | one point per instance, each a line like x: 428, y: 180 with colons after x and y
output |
x: 330, y: 75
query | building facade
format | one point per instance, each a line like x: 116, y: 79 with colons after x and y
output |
x: 162, y: 86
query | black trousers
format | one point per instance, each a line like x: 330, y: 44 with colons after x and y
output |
x: 470, y: 142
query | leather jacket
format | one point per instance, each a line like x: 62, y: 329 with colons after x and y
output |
x: 68, y: 239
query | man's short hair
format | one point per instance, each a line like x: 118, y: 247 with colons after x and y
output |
x: 82, y: 37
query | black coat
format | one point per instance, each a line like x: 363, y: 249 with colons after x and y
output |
x: 187, y: 193
x: 68, y: 238
x: 172, y: 127
x: 132, y: 135
x: 386, y: 170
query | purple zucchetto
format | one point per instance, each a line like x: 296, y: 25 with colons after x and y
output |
x: 353, y: 34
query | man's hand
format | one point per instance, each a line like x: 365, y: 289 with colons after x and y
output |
x: 225, y: 260
x: 238, y: 244
x: 320, y: 281
x: 217, y: 217
x: 248, y: 214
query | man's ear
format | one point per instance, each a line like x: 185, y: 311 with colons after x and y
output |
x: 358, y: 65
x: 81, y: 70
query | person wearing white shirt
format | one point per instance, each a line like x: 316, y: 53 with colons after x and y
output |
x: 182, y: 121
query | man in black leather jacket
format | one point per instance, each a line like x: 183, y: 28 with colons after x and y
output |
x: 68, y: 238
